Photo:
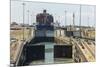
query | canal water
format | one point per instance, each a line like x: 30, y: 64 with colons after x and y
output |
x: 49, y: 53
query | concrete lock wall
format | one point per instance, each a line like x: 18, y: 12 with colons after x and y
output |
x: 40, y: 33
x: 44, y: 33
x: 62, y: 51
x: 41, y: 39
x: 35, y: 52
x: 60, y: 33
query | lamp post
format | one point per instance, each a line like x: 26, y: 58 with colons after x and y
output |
x: 80, y: 21
x: 88, y: 21
x: 28, y: 16
x: 31, y: 20
x: 73, y: 21
x: 65, y: 18
x: 23, y: 19
x: 28, y: 23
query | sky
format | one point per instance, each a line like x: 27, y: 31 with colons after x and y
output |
x: 88, y: 12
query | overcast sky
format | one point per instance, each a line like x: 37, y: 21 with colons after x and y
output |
x: 56, y: 9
